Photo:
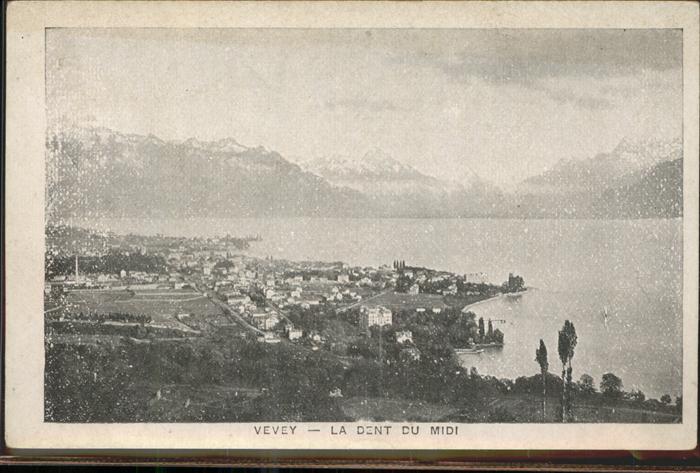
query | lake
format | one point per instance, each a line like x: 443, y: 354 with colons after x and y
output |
x: 576, y: 267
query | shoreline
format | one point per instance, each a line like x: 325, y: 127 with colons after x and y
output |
x: 468, y: 307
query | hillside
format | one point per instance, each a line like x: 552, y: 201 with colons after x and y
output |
x: 98, y: 172
x: 604, y: 170
x: 401, y: 190
x: 656, y: 192
x: 101, y: 173
x: 634, y: 180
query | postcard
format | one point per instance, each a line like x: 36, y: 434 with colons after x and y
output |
x: 352, y: 225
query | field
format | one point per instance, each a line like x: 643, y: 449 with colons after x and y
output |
x: 187, y: 403
x: 397, y: 410
x: 402, y: 301
x: 463, y: 301
x: 528, y: 408
x: 162, y: 306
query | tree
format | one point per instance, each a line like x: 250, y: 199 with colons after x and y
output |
x: 481, y: 329
x: 567, y: 343
x: 501, y: 415
x: 497, y: 336
x: 611, y: 386
x: 636, y: 396
x: 489, y: 333
x: 665, y: 399
x: 541, y: 359
x: 586, y: 385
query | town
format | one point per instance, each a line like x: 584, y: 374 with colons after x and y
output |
x: 186, y: 287
x: 157, y: 328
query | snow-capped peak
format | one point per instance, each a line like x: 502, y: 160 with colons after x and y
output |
x: 228, y: 145
x: 374, y: 164
x: 648, y: 151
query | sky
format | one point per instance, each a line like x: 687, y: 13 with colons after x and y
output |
x: 505, y: 104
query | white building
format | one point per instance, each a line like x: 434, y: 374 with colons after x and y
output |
x: 270, y: 322
x: 404, y: 336
x: 379, y: 316
x: 268, y: 338
x: 293, y: 333
x: 237, y: 299
x: 475, y: 278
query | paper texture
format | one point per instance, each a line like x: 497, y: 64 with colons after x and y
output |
x: 356, y: 225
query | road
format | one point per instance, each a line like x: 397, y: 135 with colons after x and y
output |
x: 231, y: 314
x: 282, y: 313
x: 226, y: 309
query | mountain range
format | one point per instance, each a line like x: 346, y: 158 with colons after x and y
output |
x: 97, y: 172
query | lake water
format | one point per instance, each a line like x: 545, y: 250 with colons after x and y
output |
x: 577, y: 267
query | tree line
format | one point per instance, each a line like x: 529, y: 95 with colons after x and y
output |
x: 611, y: 386
x: 111, y: 263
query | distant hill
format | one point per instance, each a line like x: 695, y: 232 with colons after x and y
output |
x: 602, y: 171
x: 655, y: 192
x: 98, y: 172
x: 635, y: 180
x: 400, y: 190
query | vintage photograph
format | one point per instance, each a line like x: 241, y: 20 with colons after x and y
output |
x: 446, y: 225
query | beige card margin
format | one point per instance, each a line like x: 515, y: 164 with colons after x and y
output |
x: 24, y: 351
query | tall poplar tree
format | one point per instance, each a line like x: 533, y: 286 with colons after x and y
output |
x: 541, y: 359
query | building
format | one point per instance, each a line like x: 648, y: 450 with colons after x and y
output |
x: 270, y: 322
x: 343, y: 278
x: 258, y: 320
x: 293, y: 333
x: 370, y: 316
x: 268, y: 337
x: 451, y: 290
x: 414, y: 289
x: 404, y: 336
x: 316, y: 337
x: 307, y: 303
x: 237, y: 299
x: 475, y: 278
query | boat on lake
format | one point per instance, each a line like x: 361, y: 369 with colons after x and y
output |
x: 605, y: 315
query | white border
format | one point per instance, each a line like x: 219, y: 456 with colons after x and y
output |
x: 24, y: 353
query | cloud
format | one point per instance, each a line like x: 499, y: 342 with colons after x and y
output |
x: 539, y: 58
x: 506, y: 56
x: 566, y: 95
